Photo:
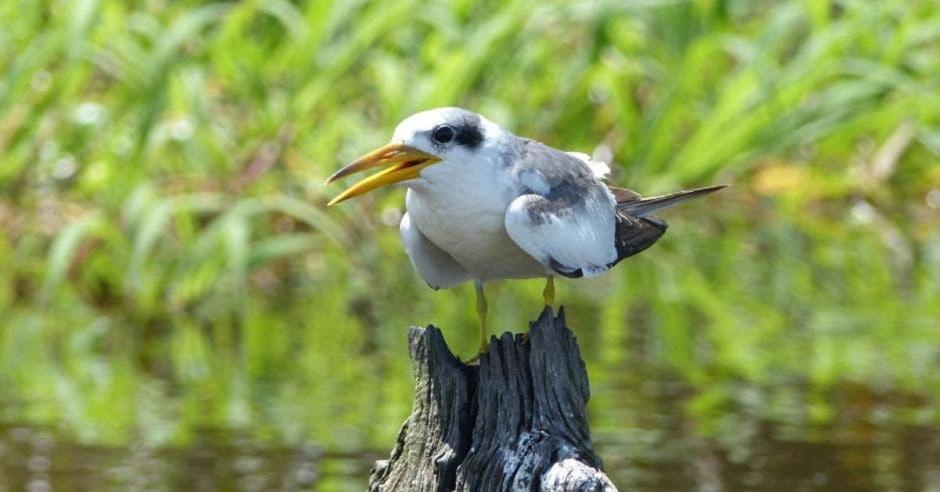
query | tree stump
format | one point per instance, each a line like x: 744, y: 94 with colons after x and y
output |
x: 516, y: 421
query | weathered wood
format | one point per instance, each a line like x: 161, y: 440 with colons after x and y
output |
x: 516, y: 421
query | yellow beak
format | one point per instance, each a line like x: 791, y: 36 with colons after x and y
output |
x: 406, y: 163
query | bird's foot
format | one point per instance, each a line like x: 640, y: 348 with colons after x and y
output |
x: 548, y: 293
x: 476, y: 358
x: 481, y: 318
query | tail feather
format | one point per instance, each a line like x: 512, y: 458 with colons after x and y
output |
x: 640, y: 207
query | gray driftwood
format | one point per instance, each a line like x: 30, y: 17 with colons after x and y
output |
x: 516, y: 421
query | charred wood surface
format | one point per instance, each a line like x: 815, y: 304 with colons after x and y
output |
x: 516, y: 421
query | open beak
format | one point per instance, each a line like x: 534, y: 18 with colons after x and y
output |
x: 406, y: 162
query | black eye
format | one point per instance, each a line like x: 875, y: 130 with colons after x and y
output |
x: 443, y: 134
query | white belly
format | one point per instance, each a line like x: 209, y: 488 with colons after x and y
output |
x: 470, y: 227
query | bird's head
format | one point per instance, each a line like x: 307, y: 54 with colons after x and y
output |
x: 439, y: 136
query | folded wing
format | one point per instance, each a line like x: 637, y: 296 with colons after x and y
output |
x: 571, y: 222
x: 564, y: 217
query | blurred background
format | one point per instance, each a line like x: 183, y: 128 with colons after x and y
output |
x: 180, y: 310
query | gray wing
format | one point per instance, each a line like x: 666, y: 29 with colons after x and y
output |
x: 563, y: 217
x: 439, y: 269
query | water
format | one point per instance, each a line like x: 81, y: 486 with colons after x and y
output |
x: 37, y: 459
x: 668, y: 446
x: 654, y: 432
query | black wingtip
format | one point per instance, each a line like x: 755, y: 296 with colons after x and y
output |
x: 645, y: 206
x: 708, y: 189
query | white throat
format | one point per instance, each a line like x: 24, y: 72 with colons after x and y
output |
x: 460, y: 206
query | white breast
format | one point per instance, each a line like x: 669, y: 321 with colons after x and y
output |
x: 462, y: 209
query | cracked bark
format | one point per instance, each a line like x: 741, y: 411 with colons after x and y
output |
x: 516, y: 421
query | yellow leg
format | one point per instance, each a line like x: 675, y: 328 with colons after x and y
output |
x: 481, y: 315
x: 549, y: 292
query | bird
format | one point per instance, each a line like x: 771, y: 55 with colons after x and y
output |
x: 483, y: 204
